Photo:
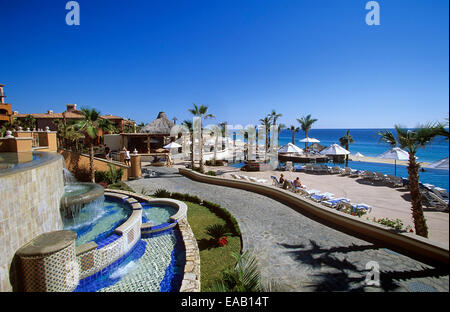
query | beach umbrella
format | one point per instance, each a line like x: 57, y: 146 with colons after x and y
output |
x: 290, y: 148
x: 440, y: 164
x: 395, y: 153
x: 358, y: 154
x: 334, y: 149
x: 309, y: 140
x: 172, y: 145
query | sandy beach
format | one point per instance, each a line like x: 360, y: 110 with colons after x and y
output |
x: 386, y: 202
x: 383, y: 161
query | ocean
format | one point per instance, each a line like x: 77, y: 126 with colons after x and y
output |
x: 366, y: 143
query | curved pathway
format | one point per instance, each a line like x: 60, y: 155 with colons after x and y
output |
x: 300, y: 254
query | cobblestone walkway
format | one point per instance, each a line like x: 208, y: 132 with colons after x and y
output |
x: 300, y: 254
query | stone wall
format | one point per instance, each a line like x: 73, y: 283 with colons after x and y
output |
x: 29, y: 206
x: 78, y: 163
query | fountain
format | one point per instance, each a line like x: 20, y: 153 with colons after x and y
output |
x: 80, y: 196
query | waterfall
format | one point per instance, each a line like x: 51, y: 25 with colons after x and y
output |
x: 68, y: 177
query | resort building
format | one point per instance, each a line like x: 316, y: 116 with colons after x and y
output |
x: 5, y: 109
x: 150, y: 139
x: 71, y: 114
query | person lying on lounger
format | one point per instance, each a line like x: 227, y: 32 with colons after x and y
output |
x: 298, y: 183
x: 282, y: 179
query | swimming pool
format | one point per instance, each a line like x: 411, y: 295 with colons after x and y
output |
x: 154, y: 264
x: 157, y: 214
x: 98, y: 219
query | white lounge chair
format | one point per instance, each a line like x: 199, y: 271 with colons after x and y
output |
x: 245, y: 178
x: 308, y: 168
x: 434, y: 201
x: 332, y: 203
x: 276, y: 182
x: 336, y: 170
x: 441, y: 193
x: 378, y: 176
x: 347, y: 171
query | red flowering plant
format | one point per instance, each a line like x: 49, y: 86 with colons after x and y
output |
x: 222, y: 242
x: 104, y: 184
x: 219, y: 233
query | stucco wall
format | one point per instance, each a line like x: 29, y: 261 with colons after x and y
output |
x: 29, y: 206
x: 80, y: 162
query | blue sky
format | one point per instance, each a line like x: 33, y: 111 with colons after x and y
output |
x: 240, y: 58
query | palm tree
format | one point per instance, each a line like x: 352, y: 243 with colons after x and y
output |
x: 214, y: 133
x: 28, y: 122
x: 188, y: 125
x: 202, y: 112
x: 266, y: 123
x: 140, y: 126
x: 274, y: 117
x: 223, y: 130
x: 345, y: 141
x: 306, y: 123
x: 294, y: 129
x: 244, y: 277
x: 281, y: 126
x: 89, y: 126
x: 105, y: 126
x: 66, y: 133
x: 411, y: 141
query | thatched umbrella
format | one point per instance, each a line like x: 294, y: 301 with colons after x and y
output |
x: 161, y: 125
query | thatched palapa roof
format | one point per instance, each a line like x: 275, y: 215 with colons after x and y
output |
x: 161, y: 125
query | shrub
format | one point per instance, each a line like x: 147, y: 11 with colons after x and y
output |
x: 121, y: 186
x: 178, y: 196
x: 112, y: 176
x: 224, y: 214
x: 218, y: 232
x: 198, y: 170
x: 211, y: 173
x: 161, y: 193
x: 192, y: 198
x: 396, y: 224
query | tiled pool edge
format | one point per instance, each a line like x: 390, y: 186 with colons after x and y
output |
x: 191, y: 278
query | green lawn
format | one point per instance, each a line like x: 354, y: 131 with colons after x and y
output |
x: 213, y: 260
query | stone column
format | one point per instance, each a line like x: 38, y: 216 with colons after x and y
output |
x: 47, y: 264
x: 135, y: 170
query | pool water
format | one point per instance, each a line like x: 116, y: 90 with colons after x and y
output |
x: 157, y: 213
x: 97, y: 220
x: 155, y: 264
x: 73, y: 190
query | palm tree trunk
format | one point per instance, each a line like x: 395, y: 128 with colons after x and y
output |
x: 293, y: 137
x: 91, y: 162
x: 192, y: 150
x: 215, y: 149
x: 346, y: 156
x: 306, y: 135
x: 201, y: 151
x: 416, y: 198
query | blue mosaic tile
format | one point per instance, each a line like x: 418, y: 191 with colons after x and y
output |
x: 102, y: 279
x: 173, y: 276
x: 106, y: 241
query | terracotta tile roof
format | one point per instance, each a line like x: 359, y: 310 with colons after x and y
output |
x: 69, y: 115
x: 111, y: 117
